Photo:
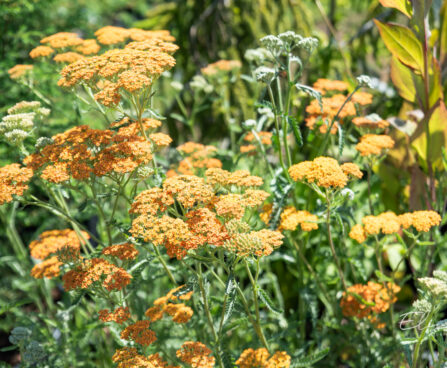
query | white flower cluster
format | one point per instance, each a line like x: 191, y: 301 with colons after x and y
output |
x: 287, y: 41
x: 16, y: 126
x: 265, y: 74
x: 257, y: 56
x: 199, y: 84
x: 437, y: 285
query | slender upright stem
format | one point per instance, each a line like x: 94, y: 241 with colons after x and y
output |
x: 331, y: 243
x: 165, y: 266
x: 254, y: 287
x: 208, y: 312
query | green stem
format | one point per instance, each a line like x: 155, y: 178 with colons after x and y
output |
x: 331, y: 243
x: 416, y: 356
x: 165, y: 266
x: 208, y: 312
x: 254, y: 287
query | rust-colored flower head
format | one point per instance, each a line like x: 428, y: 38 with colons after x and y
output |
x: 196, y: 354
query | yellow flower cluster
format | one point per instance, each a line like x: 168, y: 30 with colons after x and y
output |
x: 119, y: 315
x: 179, y: 312
x: 374, y: 144
x: 81, y: 151
x: 378, y: 298
x: 13, y: 181
x: 260, y: 358
x: 390, y: 223
x: 257, y: 243
x: 196, y: 354
x: 325, y: 172
x: 291, y: 218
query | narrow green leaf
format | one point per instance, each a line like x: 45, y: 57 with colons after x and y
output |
x: 310, y: 359
x: 268, y: 302
x: 296, y: 130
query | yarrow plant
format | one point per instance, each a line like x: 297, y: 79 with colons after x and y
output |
x: 269, y: 249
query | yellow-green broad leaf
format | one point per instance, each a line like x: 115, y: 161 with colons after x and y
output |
x: 403, y: 44
x: 402, y: 78
x: 437, y: 140
x: 404, y: 6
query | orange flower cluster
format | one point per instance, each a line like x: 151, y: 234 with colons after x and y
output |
x: 367, y: 123
x: 19, y: 70
x: 291, y: 218
x: 124, y: 252
x: 196, y: 354
x: 197, y: 157
x: 378, y: 299
x: 49, y: 242
x: 48, y: 268
x: 129, y: 358
x: 13, y: 181
x: 41, y: 51
x: 72, y: 47
x: 264, y: 137
x: 119, y: 315
x: 83, y: 276
x: 140, y: 333
x: 260, y: 358
x: 82, y: 151
x: 111, y: 35
x: 204, y: 212
x: 390, y: 223
x: 133, y: 68
x: 55, y: 247
x: 323, y: 85
x: 179, y: 312
x: 331, y: 105
x: 239, y: 178
x: 221, y: 66
x: 325, y: 172
x: 373, y: 144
